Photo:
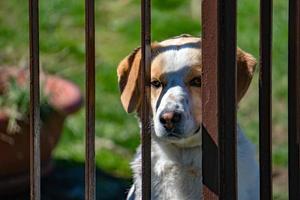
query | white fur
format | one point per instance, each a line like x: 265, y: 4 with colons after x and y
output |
x: 177, y: 174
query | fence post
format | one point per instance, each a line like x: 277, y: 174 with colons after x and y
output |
x: 219, y: 63
x: 35, y: 161
x: 210, y: 99
x: 294, y: 99
x: 265, y: 102
x: 227, y: 99
x: 90, y: 169
x: 145, y: 93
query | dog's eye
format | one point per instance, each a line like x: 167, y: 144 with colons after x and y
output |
x: 156, y: 83
x: 196, y: 82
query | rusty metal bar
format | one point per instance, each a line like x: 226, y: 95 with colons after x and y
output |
x: 227, y: 98
x: 265, y: 100
x: 145, y: 75
x: 210, y: 163
x: 35, y: 161
x: 294, y: 99
x: 90, y: 169
x: 219, y: 110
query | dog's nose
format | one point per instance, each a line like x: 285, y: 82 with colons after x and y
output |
x: 169, y: 119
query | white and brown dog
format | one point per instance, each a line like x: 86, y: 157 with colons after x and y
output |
x: 176, y: 151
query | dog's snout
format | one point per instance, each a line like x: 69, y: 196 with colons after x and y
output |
x: 170, y: 119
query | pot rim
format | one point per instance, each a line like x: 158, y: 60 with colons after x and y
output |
x: 58, y: 89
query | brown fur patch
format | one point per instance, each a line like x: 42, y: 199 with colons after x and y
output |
x: 196, y: 101
x: 245, y: 70
x: 128, y: 75
x: 194, y: 71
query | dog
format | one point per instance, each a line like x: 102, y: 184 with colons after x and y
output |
x: 176, y: 104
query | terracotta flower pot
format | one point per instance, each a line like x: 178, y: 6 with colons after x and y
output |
x: 64, y: 97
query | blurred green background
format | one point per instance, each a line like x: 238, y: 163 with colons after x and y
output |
x: 117, y: 34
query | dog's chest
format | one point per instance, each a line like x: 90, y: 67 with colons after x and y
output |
x: 177, y: 177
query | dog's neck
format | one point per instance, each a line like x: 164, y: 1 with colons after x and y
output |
x: 182, y: 152
x: 175, y: 171
x: 174, y: 154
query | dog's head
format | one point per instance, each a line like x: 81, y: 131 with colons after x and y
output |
x: 176, y: 72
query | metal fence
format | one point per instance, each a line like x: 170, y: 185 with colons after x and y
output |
x: 219, y: 112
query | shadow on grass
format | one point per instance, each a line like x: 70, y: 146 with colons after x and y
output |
x: 66, y: 182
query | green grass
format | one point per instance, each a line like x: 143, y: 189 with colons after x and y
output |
x: 117, y: 33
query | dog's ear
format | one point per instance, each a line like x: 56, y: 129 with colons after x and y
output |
x: 128, y: 77
x: 245, y: 70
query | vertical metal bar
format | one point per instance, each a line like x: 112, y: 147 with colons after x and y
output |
x: 145, y: 75
x: 294, y: 99
x: 90, y: 169
x: 219, y: 110
x: 227, y: 98
x: 210, y: 99
x: 35, y: 170
x: 265, y: 102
